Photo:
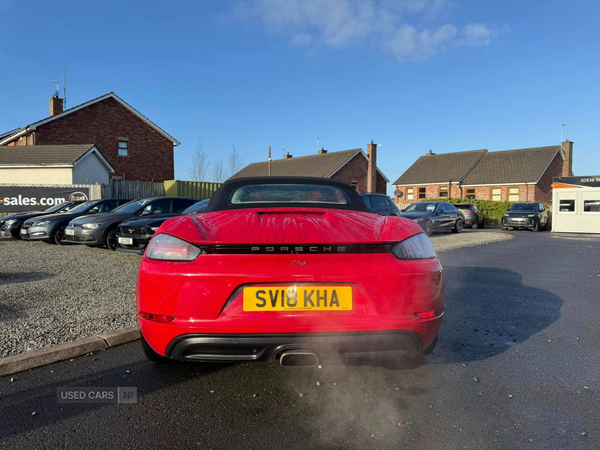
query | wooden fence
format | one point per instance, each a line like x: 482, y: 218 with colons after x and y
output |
x: 132, y: 189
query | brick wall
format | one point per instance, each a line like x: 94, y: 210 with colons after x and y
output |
x: 543, y: 189
x: 356, y: 171
x: 103, y: 123
x: 481, y: 192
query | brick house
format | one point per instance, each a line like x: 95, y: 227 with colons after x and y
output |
x: 513, y: 175
x: 352, y: 166
x: 134, y: 146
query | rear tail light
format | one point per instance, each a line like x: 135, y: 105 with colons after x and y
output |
x: 156, y: 317
x: 418, y: 246
x: 470, y: 212
x: 169, y: 248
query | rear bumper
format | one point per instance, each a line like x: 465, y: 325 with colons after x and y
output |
x: 257, y: 347
x: 205, y: 296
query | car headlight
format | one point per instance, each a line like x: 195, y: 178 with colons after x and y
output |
x: 91, y: 226
x: 169, y: 248
x: 154, y: 229
x: 8, y: 223
x: 531, y: 215
x: 419, y: 219
x: 41, y: 223
x: 415, y: 247
x: 506, y: 215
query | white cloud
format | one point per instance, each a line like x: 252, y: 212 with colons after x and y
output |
x: 386, y: 24
x: 477, y: 35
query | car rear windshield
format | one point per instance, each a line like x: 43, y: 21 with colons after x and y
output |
x: 421, y: 207
x: 525, y: 207
x: 132, y: 206
x: 288, y: 193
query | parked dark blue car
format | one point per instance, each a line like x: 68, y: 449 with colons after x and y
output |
x: 435, y: 216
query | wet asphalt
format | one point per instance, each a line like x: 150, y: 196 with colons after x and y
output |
x: 517, y: 366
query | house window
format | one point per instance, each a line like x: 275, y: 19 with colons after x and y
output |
x: 422, y: 193
x: 513, y: 194
x: 470, y: 194
x: 566, y: 206
x: 443, y: 191
x: 410, y: 194
x: 496, y: 195
x: 123, y: 148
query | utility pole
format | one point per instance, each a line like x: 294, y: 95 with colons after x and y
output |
x: 64, y: 90
x: 269, y: 160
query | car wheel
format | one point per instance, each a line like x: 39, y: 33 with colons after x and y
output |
x: 428, y: 228
x: 458, y: 227
x: 111, y: 239
x: 536, y: 227
x: 151, y: 354
x: 475, y: 226
x: 59, y: 235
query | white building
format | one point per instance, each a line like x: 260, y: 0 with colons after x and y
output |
x: 53, y: 164
x: 576, y: 204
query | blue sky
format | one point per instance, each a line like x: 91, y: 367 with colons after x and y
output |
x: 411, y: 75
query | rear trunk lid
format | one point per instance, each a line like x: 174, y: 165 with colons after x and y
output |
x: 289, y: 225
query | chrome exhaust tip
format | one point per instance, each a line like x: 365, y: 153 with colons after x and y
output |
x: 298, y: 358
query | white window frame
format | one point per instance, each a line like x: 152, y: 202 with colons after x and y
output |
x: 499, y: 195
x: 126, y: 148
x: 574, y: 200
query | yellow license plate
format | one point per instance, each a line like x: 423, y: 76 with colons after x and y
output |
x: 298, y: 298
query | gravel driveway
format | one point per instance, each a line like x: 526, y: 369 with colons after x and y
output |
x: 50, y: 295
x: 444, y: 242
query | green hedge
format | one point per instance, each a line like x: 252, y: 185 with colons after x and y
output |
x: 492, y: 211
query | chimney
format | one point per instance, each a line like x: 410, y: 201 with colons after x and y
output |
x: 287, y: 156
x: 372, y: 167
x: 567, y: 169
x: 322, y: 151
x: 56, y: 105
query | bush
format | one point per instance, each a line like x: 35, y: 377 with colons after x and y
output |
x: 490, y: 211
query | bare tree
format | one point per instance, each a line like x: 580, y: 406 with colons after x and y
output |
x: 218, y: 172
x: 234, y: 162
x: 198, y: 169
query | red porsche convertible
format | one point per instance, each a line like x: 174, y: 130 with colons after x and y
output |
x: 289, y: 269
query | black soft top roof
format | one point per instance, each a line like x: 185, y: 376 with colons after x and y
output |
x: 220, y: 199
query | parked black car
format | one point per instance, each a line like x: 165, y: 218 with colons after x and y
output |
x: 51, y: 228
x: 10, y: 226
x: 531, y: 216
x: 381, y: 204
x: 100, y: 230
x: 472, y: 218
x: 435, y: 216
x: 134, y: 234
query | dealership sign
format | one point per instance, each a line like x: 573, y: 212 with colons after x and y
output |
x: 21, y: 198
